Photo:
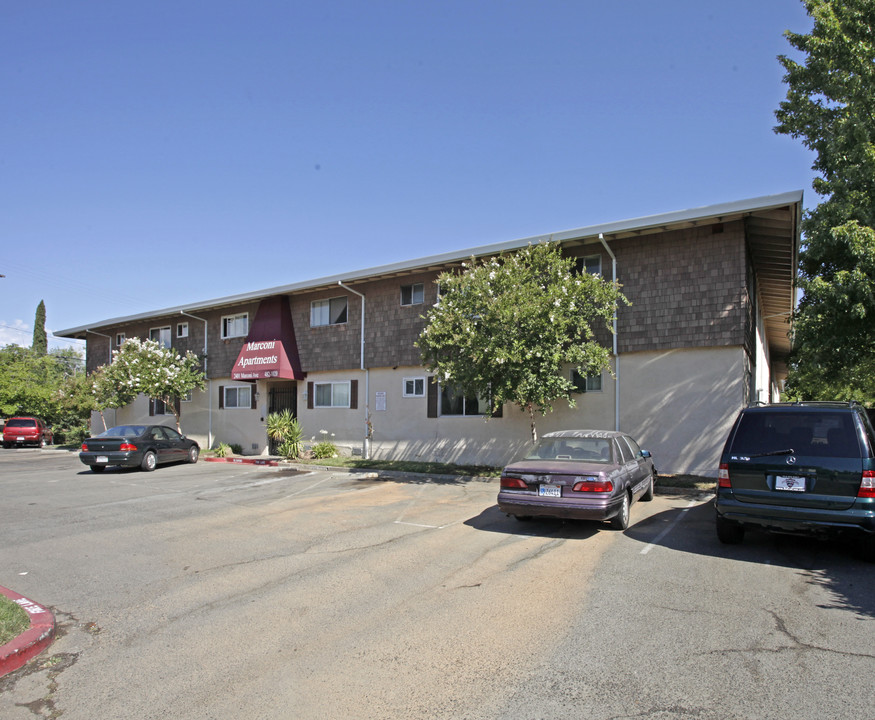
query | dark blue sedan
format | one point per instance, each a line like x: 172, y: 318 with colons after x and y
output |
x: 143, y: 446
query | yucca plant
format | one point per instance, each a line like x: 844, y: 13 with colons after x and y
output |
x: 285, y: 430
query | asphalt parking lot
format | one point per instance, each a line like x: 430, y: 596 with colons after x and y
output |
x: 218, y: 591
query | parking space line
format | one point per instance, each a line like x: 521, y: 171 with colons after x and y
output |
x: 671, y: 526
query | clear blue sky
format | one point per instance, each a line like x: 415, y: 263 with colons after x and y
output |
x: 165, y: 152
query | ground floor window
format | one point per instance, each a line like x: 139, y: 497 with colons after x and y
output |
x: 455, y: 403
x: 414, y: 387
x: 590, y: 383
x: 331, y: 395
x: 238, y: 397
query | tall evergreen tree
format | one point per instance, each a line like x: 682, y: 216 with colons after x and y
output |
x: 40, y: 341
x: 830, y: 106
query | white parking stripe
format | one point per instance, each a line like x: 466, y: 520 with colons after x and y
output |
x: 667, y: 530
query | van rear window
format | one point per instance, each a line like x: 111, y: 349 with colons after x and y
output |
x: 821, y: 434
x: 20, y: 422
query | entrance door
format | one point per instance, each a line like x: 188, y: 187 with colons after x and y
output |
x: 282, y: 396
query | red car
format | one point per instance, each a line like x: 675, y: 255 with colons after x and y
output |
x: 26, y: 431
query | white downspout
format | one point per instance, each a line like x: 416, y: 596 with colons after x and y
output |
x: 109, y: 350
x: 209, y: 382
x: 366, y: 446
x: 616, y: 354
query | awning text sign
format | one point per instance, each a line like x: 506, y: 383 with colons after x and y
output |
x: 262, y: 359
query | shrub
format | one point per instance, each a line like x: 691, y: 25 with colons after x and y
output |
x: 222, y: 450
x: 285, y: 430
x: 324, y: 449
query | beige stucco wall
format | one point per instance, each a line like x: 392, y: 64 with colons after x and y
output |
x: 680, y: 404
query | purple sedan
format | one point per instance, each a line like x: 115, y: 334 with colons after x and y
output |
x: 581, y: 475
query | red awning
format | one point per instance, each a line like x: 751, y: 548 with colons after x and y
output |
x: 270, y: 350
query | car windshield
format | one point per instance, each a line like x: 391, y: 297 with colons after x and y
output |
x: 820, y: 434
x: 20, y: 422
x: 124, y: 431
x: 572, y: 448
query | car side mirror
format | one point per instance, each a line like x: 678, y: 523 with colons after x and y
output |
x: 645, y: 453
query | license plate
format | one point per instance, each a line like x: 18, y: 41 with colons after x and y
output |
x: 792, y: 483
x: 20, y: 438
x: 102, y: 459
x: 550, y: 491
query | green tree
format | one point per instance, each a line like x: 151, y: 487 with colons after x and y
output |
x: 510, y: 327
x: 43, y: 385
x: 143, y: 366
x: 830, y: 106
x: 40, y: 343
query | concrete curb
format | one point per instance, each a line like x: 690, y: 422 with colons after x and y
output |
x: 32, y: 641
x: 243, y: 461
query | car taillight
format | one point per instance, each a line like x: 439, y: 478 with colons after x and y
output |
x: 723, y: 476
x: 513, y: 483
x: 593, y: 486
x: 127, y: 446
x: 867, y: 486
x: 84, y: 447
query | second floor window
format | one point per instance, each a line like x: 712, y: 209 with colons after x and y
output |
x: 161, y: 336
x: 412, y: 294
x: 235, y: 325
x: 591, y: 264
x: 328, y: 312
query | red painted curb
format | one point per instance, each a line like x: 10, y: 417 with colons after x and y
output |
x: 242, y: 461
x: 32, y: 641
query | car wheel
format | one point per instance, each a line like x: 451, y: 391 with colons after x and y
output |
x: 98, y: 468
x: 150, y: 460
x: 193, y: 452
x: 620, y: 521
x: 648, y: 494
x: 7, y: 445
x: 728, y: 532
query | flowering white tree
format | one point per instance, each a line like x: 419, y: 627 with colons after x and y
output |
x: 143, y: 366
x: 508, y: 327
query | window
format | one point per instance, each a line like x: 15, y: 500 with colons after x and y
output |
x: 159, y: 407
x: 161, y: 336
x: 120, y: 339
x: 187, y: 397
x: 328, y: 312
x: 591, y: 383
x: 235, y: 325
x: 331, y: 394
x: 591, y: 264
x: 414, y: 387
x: 238, y: 397
x: 182, y: 330
x: 412, y: 294
x: 454, y: 403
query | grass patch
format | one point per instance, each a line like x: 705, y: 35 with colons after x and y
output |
x: 410, y: 466
x: 13, y: 620
x: 691, y: 482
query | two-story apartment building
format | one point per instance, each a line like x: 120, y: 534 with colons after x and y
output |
x: 712, y: 290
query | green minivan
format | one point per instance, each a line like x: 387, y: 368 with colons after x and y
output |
x: 804, y: 467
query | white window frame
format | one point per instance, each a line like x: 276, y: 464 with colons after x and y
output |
x: 593, y: 383
x: 582, y: 261
x: 230, y: 327
x: 120, y: 339
x: 237, y: 405
x: 187, y: 397
x: 417, y: 392
x: 182, y: 330
x: 416, y: 292
x: 160, y: 331
x: 321, y: 314
x: 333, y: 402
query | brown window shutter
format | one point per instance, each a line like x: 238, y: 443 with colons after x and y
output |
x: 221, y: 397
x: 151, y: 407
x: 432, y: 398
x: 353, y: 394
x: 254, y: 400
x: 177, y: 403
x: 310, y: 395
x: 498, y: 412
